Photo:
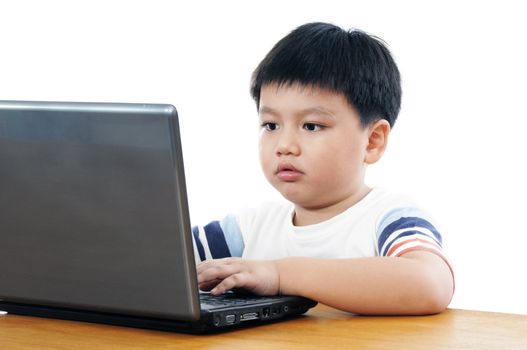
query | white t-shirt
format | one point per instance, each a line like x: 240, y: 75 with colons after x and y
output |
x: 381, y: 224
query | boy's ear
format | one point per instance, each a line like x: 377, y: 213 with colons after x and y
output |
x: 377, y: 140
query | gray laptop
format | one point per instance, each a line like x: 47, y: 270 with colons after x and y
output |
x: 94, y: 222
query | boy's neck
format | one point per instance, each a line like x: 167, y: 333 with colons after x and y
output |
x: 310, y: 216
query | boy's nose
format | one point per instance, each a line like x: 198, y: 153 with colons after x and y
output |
x: 287, y: 145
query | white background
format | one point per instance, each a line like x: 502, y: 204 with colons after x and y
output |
x: 458, y: 146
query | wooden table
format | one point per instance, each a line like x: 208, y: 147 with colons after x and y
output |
x: 320, y: 328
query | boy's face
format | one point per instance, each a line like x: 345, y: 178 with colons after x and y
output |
x: 312, y: 146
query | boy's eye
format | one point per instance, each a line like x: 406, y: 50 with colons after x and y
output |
x: 270, y: 126
x: 312, y: 127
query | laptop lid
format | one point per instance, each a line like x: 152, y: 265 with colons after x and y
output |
x: 93, y: 209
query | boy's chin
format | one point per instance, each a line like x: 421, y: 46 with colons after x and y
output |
x: 291, y: 195
x: 299, y: 196
x: 299, y: 199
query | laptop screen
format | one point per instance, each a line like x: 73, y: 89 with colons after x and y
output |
x: 93, y: 209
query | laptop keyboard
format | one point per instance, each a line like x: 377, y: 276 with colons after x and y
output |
x: 230, y: 299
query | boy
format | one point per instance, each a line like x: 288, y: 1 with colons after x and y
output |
x: 326, y: 100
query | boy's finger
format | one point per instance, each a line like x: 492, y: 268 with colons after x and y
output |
x: 215, y: 262
x: 238, y: 280
x: 207, y: 286
x: 217, y: 273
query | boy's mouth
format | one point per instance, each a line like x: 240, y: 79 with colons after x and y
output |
x: 288, y: 173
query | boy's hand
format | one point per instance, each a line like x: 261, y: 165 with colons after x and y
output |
x: 258, y: 276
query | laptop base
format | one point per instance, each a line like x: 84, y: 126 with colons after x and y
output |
x: 216, y: 321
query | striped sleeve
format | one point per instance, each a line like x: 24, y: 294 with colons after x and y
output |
x: 403, y: 230
x: 218, y: 239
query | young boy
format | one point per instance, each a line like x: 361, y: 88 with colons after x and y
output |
x: 327, y: 99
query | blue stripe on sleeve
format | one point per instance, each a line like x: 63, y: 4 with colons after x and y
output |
x: 397, y: 213
x: 404, y: 223
x: 403, y: 234
x: 216, y: 240
x: 201, y: 251
x: 233, y: 235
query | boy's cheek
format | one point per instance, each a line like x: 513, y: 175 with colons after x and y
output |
x: 266, y: 163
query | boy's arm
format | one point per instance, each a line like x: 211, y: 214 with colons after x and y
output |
x: 418, y: 282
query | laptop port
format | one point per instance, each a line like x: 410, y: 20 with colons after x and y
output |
x: 266, y: 312
x: 249, y: 316
x: 229, y: 319
x: 217, y: 320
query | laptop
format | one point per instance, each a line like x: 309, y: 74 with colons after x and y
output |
x: 94, y: 221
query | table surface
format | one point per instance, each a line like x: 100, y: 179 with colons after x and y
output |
x: 322, y: 327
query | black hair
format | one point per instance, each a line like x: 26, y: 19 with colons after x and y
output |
x: 325, y: 56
